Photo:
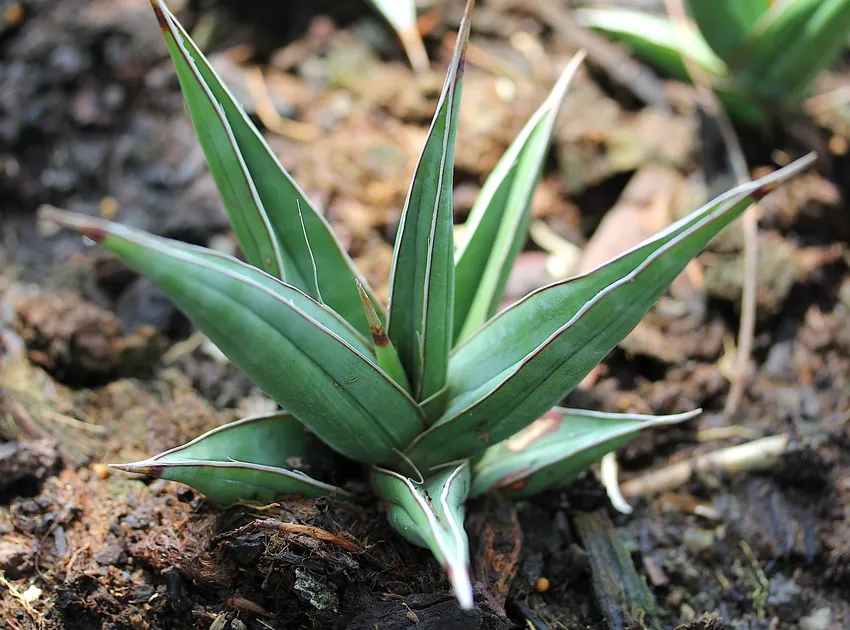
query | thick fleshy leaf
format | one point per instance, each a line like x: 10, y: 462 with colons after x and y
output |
x: 726, y: 24
x: 557, y: 448
x: 385, y: 352
x: 261, y: 198
x: 422, y: 277
x: 302, y: 354
x: 498, y: 223
x: 401, y: 14
x: 431, y: 515
x: 790, y: 45
x: 656, y: 39
x: 527, y: 358
x: 250, y: 459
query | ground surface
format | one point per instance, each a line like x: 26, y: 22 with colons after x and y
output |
x: 95, y: 366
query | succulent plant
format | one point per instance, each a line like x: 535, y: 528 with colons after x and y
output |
x: 759, y: 55
x: 441, y: 396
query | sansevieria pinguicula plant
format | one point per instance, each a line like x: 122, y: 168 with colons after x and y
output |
x: 440, y: 397
x: 759, y: 55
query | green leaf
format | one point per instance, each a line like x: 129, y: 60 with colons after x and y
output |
x: 422, y: 277
x: 385, y: 352
x: 401, y: 14
x: 656, y: 39
x: 526, y: 359
x: 240, y: 461
x: 261, y: 198
x: 302, y: 354
x: 498, y: 223
x: 726, y: 24
x: 557, y: 448
x: 790, y: 46
x: 431, y: 515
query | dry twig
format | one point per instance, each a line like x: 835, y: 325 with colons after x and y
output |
x: 268, y: 114
x: 756, y: 455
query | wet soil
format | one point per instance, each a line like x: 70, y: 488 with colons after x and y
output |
x: 96, y: 366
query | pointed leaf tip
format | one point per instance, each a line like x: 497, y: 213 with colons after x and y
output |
x: 90, y: 227
x: 422, y: 279
x: 241, y: 461
x: 160, y: 15
x: 558, y: 447
x: 385, y: 351
x: 463, y: 39
x: 497, y: 225
x: 379, y: 335
x: 256, y: 189
x: 329, y: 378
x: 146, y: 468
x: 531, y: 355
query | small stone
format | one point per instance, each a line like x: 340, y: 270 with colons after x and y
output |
x: 319, y: 593
x: 698, y: 539
x: 111, y: 555
x: 785, y: 597
x: 821, y: 619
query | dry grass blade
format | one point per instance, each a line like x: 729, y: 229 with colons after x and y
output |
x: 293, y: 529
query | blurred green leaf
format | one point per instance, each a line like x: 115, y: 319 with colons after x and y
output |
x: 498, y: 223
x: 260, y: 196
x: 240, y: 461
x: 655, y: 39
x: 726, y: 24
x: 422, y: 277
x: 531, y: 355
x: 302, y: 354
x: 557, y: 448
x: 791, y: 44
x: 431, y: 515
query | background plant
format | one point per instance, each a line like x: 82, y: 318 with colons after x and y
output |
x: 401, y: 14
x: 439, y: 395
x: 759, y: 55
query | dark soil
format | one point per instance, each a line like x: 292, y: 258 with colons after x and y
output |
x: 96, y: 366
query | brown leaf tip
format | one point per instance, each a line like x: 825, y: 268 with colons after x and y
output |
x: 152, y: 470
x: 762, y: 191
x: 160, y: 15
x: 463, y: 37
x: 379, y: 336
x: 94, y: 233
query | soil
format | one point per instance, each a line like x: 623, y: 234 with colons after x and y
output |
x: 96, y: 366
